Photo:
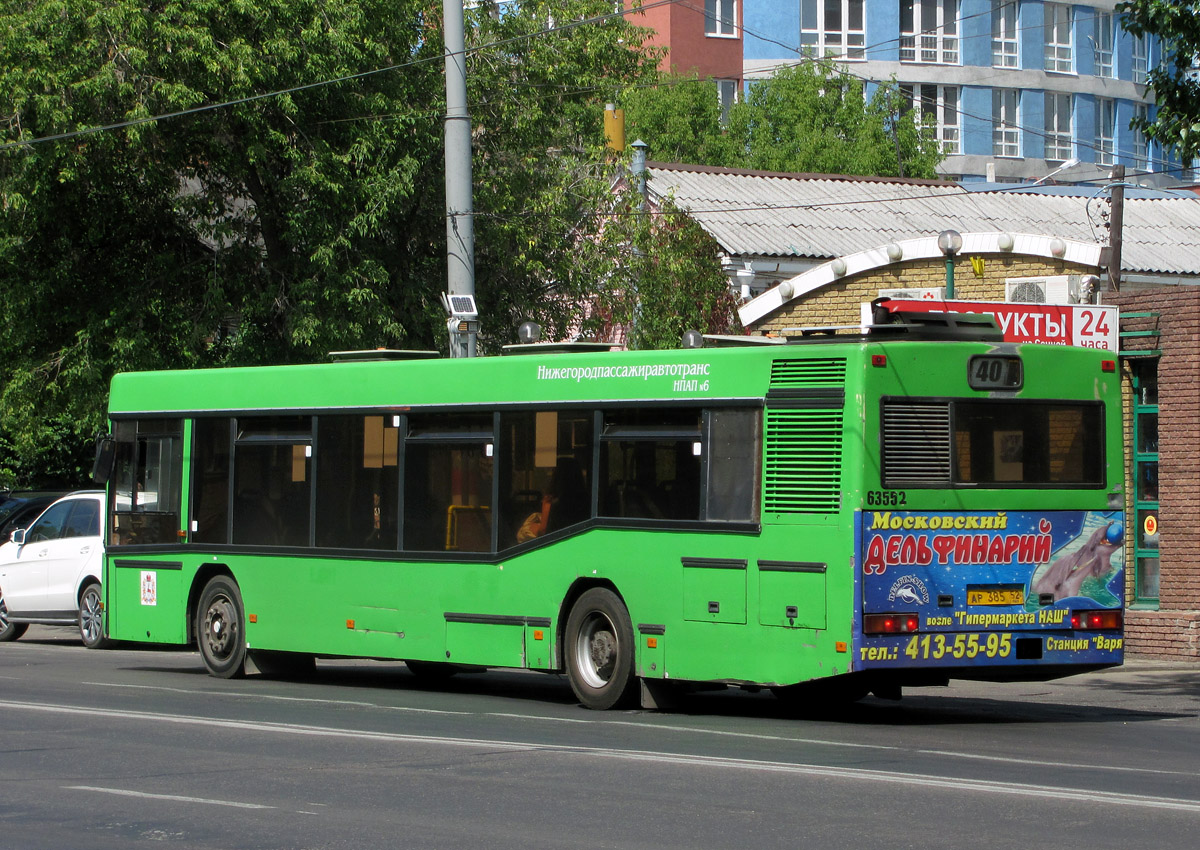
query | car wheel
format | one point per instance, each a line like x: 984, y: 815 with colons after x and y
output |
x: 91, y: 618
x: 8, y: 629
x: 221, y: 630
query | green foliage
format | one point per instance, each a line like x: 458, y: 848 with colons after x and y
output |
x: 1176, y: 124
x: 668, y: 279
x: 680, y: 119
x: 277, y: 228
x: 808, y: 118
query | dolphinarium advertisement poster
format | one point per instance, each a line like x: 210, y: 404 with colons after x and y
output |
x: 993, y: 587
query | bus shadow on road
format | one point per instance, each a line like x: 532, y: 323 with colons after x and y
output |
x: 1128, y: 698
x: 941, y: 706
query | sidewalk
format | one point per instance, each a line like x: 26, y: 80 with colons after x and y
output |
x: 1142, y: 687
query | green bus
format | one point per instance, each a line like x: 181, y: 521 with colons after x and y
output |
x: 872, y: 511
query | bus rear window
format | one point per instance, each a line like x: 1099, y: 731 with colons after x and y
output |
x: 992, y: 443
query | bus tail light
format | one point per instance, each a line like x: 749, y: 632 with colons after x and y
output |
x: 1111, y: 619
x: 1108, y: 365
x: 890, y: 624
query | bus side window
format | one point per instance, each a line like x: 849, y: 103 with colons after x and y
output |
x: 210, y: 480
x: 545, y: 471
x: 358, y: 481
x: 734, y: 464
x: 448, y: 460
x: 651, y: 461
x: 145, y: 486
x: 272, y: 461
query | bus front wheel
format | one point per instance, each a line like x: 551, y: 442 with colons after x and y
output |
x: 599, y: 651
x: 220, y: 629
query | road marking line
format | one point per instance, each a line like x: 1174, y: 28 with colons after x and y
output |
x: 1065, y: 764
x: 120, y: 792
x: 245, y: 694
x: 1052, y: 793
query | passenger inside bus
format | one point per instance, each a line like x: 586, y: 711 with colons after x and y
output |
x: 565, y: 501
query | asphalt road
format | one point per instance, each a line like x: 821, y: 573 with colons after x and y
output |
x: 138, y: 747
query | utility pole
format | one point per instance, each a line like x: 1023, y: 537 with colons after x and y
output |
x: 637, y: 170
x: 1116, y: 223
x: 463, y: 323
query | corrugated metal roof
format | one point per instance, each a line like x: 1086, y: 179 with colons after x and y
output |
x: 820, y: 216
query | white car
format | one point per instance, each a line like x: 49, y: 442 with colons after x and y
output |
x: 50, y: 571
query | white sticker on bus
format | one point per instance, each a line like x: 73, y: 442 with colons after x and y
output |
x: 149, y: 587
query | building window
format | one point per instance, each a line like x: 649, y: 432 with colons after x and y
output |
x: 1141, y: 147
x: 1059, y: 41
x: 1058, y: 127
x: 720, y: 17
x: 1006, y: 132
x: 1106, y: 122
x: 727, y: 91
x: 1140, y: 59
x: 1004, y: 33
x: 938, y: 106
x: 833, y: 28
x: 1103, y: 45
x: 1145, y: 489
x: 929, y: 31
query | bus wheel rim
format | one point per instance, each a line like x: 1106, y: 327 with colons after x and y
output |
x: 596, y: 650
x: 219, y: 627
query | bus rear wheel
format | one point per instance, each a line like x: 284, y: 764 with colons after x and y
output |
x: 221, y: 630
x: 599, y: 651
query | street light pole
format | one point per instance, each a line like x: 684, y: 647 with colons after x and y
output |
x: 950, y: 243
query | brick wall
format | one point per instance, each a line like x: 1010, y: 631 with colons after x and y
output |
x: 1174, y: 629
x: 1162, y: 634
x: 838, y: 303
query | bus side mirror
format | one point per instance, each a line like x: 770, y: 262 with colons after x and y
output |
x: 106, y: 451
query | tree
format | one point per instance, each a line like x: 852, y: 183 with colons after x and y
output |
x: 1176, y: 123
x: 668, y: 279
x: 303, y: 212
x: 680, y: 118
x: 812, y: 117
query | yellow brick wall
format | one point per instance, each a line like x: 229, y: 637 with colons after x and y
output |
x: 838, y: 303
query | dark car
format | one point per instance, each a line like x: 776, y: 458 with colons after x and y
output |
x: 19, y: 508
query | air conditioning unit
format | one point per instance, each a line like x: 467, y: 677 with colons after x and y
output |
x: 1056, y: 289
x: 931, y: 293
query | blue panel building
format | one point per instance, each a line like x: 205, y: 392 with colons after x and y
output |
x: 1018, y: 89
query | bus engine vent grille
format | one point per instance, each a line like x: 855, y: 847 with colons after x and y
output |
x: 916, y: 444
x: 803, y: 460
x: 827, y: 371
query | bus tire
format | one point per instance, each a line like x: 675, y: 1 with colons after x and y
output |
x: 8, y: 629
x: 91, y: 617
x: 221, y: 629
x: 599, y: 651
